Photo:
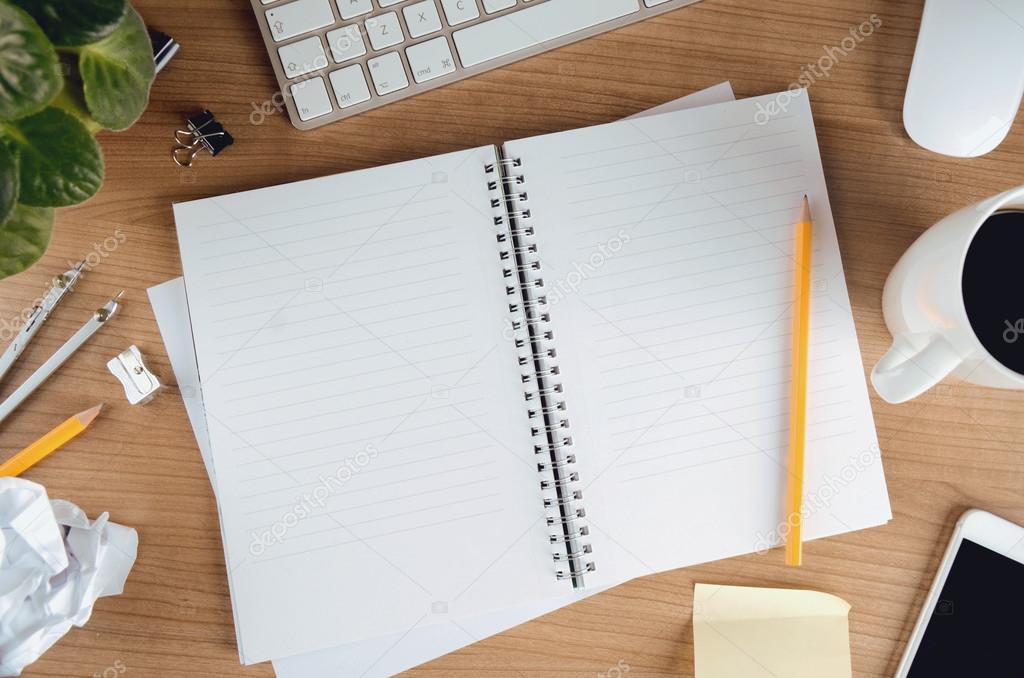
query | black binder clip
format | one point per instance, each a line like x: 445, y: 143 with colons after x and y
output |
x: 203, y: 133
x: 164, y: 48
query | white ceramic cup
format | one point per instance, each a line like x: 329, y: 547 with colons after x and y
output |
x: 923, y: 304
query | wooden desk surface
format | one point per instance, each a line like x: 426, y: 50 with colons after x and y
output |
x: 956, y: 447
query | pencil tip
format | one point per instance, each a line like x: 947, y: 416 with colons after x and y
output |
x: 805, y: 210
x: 86, y: 416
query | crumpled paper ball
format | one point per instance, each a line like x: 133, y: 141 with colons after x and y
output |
x: 54, y: 564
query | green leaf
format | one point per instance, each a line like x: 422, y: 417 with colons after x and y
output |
x: 29, y: 69
x: 79, y: 22
x: 61, y: 162
x: 23, y: 238
x: 72, y: 98
x: 8, y: 181
x: 117, y: 73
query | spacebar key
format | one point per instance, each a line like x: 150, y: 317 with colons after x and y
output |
x: 534, y: 26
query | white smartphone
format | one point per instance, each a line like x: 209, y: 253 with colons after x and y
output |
x: 972, y: 622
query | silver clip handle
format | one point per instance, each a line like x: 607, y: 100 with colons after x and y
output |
x: 60, y: 356
x: 59, y: 288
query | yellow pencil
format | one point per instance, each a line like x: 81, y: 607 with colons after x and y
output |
x: 798, y: 385
x: 49, y: 443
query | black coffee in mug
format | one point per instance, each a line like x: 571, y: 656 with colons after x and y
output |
x: 993, y: 287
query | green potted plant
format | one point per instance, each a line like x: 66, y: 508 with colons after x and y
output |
x: 68, y: 69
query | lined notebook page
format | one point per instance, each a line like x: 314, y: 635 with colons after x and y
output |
x: 369, y: 437
x: 667, y: 250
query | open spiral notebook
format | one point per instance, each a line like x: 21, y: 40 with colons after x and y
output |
x: 517, y: 374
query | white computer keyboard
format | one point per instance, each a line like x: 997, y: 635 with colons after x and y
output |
x: 336, y: 58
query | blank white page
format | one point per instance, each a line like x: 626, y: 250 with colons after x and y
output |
x: 372, y: 657
x: 369, y: 437
x: 384, y: 655
x: 667, y: 252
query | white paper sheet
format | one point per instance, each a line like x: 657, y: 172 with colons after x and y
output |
x: 365, y: 413
x: 667, y: 249
x: 170, y: 306
x: 869, y: 450
x: 372, y: 658
x: 716, y: 94
x: 50, y: 579
x: 387, y: 655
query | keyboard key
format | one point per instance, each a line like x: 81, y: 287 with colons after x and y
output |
x: 535, y: 25
x: 353, y: 8
x: 492, y: 6
x: 388, y: 73
x: 375, y: 48
x: 430, y: 59
x: 346, y: 43
x: 296, y: 18
x: 311, y: 98
x: 350, y: 86
x: 302, y: 57
x: 384, y: 30
x: 460, y: 11
x: 422, y: 18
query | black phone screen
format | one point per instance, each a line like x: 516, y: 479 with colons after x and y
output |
x: 977, y: 625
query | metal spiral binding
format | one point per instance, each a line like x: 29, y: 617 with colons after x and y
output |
x: 532, y: 334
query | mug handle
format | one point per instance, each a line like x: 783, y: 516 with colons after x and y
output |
x: 906, y: 371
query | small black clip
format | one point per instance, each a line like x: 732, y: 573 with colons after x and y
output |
x: 164, y: 48
x: 203, y: 133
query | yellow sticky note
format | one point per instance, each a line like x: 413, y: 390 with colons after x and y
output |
x: 746, y: 632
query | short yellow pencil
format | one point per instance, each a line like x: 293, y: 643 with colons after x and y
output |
x: 798, y: 385
x: 49, y: 443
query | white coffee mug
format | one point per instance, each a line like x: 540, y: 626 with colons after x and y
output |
x: 923, y: 303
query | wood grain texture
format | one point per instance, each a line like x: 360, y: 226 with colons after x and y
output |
x: 956, y: 447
